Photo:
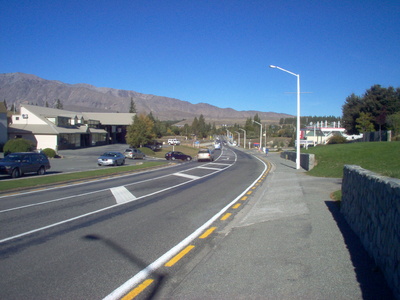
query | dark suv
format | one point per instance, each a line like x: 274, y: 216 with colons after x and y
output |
x: 19, y: 163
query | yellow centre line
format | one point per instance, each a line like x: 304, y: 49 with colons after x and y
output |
x: 244, y: 198
x: 207, y: 233
x: 249, y: 192
x: 136, y: 291
x: 226, y: 216
x: 236, y: 206
x: 177, y: 257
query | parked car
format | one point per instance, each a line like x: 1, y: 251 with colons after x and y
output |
x: 19, y: 163
x: 133, y: 153
x: 205, y: 154
x: 111, y: 158
x: 154, y: 145
x: 173, y: 155
x: 174, y: 142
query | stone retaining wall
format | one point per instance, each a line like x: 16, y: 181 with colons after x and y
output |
x: 307, y: 161
x: 371, y: 206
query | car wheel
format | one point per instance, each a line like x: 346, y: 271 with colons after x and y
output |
x: 173, y: 158
x: 123, y: 162
x: 188, y: 158
x: 41, y: 171
x: 15, y: 173
x: 99, y: 165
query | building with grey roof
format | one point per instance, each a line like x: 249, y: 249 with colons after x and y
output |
x: 62, y: 129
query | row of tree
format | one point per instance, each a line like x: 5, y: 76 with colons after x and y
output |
x: 146, y: 128
x: 377, y: 109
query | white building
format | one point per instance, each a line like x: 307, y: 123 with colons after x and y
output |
x: 62, y: 129
x: 321, y: 132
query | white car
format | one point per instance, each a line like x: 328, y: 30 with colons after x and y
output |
x: 217, y: 146
x: 174, y: 142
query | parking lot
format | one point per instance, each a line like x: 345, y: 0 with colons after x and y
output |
x: 84, y: 159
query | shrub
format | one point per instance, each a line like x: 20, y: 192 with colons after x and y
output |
x: 18, y: 145
x: 51, y: 153
x: 337, y: 139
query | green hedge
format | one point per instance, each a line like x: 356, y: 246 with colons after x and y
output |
x: 51, y: 153
x: 18, y: 145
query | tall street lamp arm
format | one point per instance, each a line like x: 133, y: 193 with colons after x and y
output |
x: 282, y: 69
x: 298, y: 113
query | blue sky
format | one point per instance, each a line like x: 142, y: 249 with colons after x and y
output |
x: 210, y: 51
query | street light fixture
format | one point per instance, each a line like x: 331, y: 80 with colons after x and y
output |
x: 244, y: 144
x: 260, y: 133
x: 298, y: 114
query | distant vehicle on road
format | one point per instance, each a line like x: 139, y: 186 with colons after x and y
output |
x: 174, y: 142
x: 19, y: 163
x: 133, y: 153
x: 111, y: 158
x: 217, y: 146
x: 154, y: 145
x: 173, y: 155
x: 205, y: 154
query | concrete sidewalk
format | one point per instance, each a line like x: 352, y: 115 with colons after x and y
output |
x: 289, y: 242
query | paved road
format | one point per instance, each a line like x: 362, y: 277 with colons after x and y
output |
x: 289, y: 242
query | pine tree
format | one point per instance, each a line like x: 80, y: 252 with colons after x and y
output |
x: 132, y: 108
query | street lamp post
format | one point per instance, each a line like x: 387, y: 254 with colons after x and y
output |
x: 298, y: 114
x: 238, y: 137
x: 260, y: 133
x: 244, y: 144
x: 227, y: 134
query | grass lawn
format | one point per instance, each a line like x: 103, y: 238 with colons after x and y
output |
x: 379, y: 157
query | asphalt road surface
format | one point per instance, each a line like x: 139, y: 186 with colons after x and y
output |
x: 84, y: 241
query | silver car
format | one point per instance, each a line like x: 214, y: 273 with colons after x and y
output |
x: 111, y: 158
x: 134, y: 153
x: 205, y: 154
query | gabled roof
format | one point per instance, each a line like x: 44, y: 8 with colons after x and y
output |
x: 104, y: 118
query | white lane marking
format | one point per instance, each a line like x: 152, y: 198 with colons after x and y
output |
x: 209, y: 168
x: 146, y: 272
x: 219, y: 164
x: 187, y: 176
x: 122, y: 195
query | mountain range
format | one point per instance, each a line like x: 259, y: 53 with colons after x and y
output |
x: 21, y: 88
